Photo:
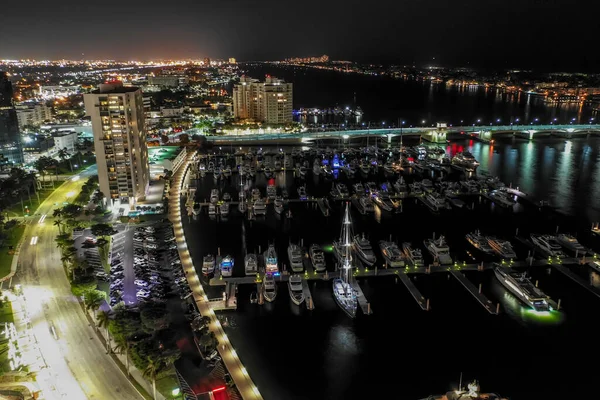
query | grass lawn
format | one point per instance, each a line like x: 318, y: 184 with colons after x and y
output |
x: 166, y: 384
x: 6, y: 315
x: 6, y: 255
x: 16, y: 210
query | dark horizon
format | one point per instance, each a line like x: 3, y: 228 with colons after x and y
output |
x: 538, y: 34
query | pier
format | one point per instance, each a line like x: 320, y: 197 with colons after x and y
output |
x: 364, y: 305
x: 484, y: 301
x: 565, y: 271
x: 323, y: 207
x: 421, y: 301
x: 308, y: 299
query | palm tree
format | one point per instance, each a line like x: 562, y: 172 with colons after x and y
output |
x: 93, y: 300
x: 64, y: 154
x: 123, y: 347
x: 103, y: 319
x: 59, y: 222
x: 151, y: 371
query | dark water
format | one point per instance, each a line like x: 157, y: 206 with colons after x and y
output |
x: 385, y: 100
x: 400, y: 351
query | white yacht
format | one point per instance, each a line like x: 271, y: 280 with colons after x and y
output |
x: 295, y: 289
x: 212, y: 209
x: 363, y: 249
x: 295, y: 257
x: 224, y: 209
x: 400, y: 186
x: 391, y: 253
x: 570, y: 242
x: 255, y: 193
x: 520, y: 286
x: 365, y: 205
x: 259, y: 207
x: 439, y: 250
x: 271, y: 192
x: 278, y: 205
x: 271, y: 266
x: 302, y: 193
x: 434, y: 201
x: 502, y: 198
x: 251, y: 264
x: 548, y: 244
x: 269, y: 288
x: 465, y: 161
x: 214, y: 196
x: 208, y: 264
x: 317, y: 257
x: 413, y: 256
x: 343, y: 292
x: 383, y: 201
x: 479, y: 241
x: 341, y: 190
x: 359, y: 189
x: 227, y: 266
x: 501, y: 247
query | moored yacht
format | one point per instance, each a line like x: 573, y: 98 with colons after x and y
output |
x: 295, y: 257
x: 227, y: 266
x: 214, y: 196
x: 547, y: 244
x: 278, y: 205
x: 259, y: 207
x: 520, y: 286
x: 295, y: 289
x: 212, y: 209
x: 363, y: 249
x: 359, y: 189
x: 302, y: 193
x: 208, y: 264
x: 391, y: 253
x: 434, y: 202
x: 479, y: 241
x: 383, y: 201
x: 439, y: 250
x: 501, y: 247
x: 465, y: 161
x: 224, y: 209
x: 251, y: 264
x: 317, y: 257
x: 271, y: 266
x: 570, y: 242
x: 269, y: 288
x: 413, y: 256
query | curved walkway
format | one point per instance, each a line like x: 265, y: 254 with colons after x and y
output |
x: 238, y: 372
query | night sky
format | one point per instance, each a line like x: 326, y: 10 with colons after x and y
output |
x: 541, y: 34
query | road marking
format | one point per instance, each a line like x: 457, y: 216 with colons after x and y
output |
x: 42, y: 218
x: 33, y: 240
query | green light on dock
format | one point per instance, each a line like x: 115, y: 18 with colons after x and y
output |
x: 328, y: 249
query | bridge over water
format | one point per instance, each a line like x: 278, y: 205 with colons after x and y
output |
x: 431, y: 134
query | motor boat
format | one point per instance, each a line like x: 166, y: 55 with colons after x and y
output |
x: 520, y: 286
x: 295, y: 257
x: 212, y: 209
x: 251, y: 264
x: 465, y: 161
x: 224, y: 209
x: 196, y: 208
x: 214, y: 196
x: 270, y: 256
x: 547, y: 244
x: 255, y: 193
x: 208, y: 264
x: 269, y: 288
x: 317, y: 258
x: 364, y: 251
x: 359, y: 189
x: 342, y: 190
x: 227, y: 266
x: 413, y: 256
x: 365, y: 205
x: 501, y: 247
x: 295, y: 289
x: 479, y: 241
x: 439, y: 250
x: 302, y: 193
x: 259, y: 207
x: 278, y: 205
x: 391, y: 253
x: 271, y: 191
x: 570, y: 242
x: 226, y: 197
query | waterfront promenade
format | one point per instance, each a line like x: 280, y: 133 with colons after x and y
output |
x: 230, y: 358
x: 432, y: 134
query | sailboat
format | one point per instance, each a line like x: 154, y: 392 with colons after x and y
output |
x: 342, y: 289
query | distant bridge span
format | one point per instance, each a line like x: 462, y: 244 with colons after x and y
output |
x: 431, y: 134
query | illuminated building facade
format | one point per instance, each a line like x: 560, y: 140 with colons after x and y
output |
x: 270, y: 101
x: 117, y: 114
x: 11, y: 148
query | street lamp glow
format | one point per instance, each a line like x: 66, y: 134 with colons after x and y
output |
x: 345, y: 136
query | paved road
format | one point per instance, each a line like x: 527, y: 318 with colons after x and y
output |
x: 79, y: 366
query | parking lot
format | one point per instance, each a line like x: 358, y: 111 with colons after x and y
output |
x: 145, y: 266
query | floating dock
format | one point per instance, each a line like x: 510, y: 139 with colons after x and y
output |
x: 308, y: 299
x: 364, y: 305
x: 565, y: 271
x: 421, y: 301
x: 484, y: 301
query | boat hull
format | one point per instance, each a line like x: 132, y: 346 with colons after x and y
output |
x: 348, y: 305
x: 513, y: 290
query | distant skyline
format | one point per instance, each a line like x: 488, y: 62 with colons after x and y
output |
x: 537, y: 34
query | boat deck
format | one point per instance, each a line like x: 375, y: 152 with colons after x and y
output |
x: 421, y: 301
x: 484, y: 301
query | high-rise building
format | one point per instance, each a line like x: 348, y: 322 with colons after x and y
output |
x: 232, y: 60
x: 270, y: 101
x: 117, y: 114
x: 11, y: 147
x: 32, y: 114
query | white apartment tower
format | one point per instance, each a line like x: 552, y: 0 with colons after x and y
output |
x: 117, y: 114
x: 270, y: 101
